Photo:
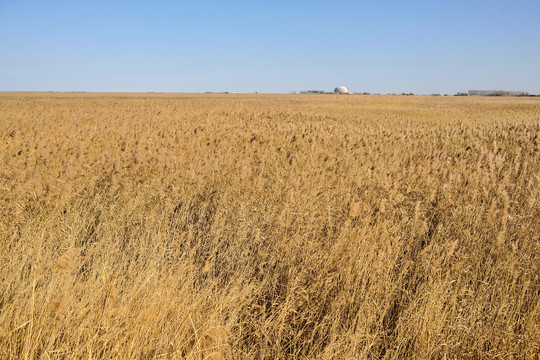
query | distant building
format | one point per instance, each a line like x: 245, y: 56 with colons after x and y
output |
x: 341, y: 90
x: 312, y: 92
x: 497, y: 93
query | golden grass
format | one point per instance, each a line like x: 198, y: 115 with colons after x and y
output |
x: 138, y: 226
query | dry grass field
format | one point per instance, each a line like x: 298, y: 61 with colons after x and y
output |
x: 161, y: 226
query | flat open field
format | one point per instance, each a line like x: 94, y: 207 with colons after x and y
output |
x: 163, y: 226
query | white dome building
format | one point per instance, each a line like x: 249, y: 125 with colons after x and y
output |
x: 341, y: 90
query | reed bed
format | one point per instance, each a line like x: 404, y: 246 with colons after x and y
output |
x: 177, y: 226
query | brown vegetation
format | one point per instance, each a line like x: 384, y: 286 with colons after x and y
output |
x: 268, y: 227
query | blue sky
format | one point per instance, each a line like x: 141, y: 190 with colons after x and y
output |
x: 279, y: 46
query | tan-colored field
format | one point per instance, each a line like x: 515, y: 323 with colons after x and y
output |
x: 161, y: 226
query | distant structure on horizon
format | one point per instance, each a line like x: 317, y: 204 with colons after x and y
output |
x: 341, y: 90
x: 338, y: 90
x: 497, y: 93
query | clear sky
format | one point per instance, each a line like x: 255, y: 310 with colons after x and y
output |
x: 271, y: 46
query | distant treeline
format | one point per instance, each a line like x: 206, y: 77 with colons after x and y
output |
x: 469, y: 93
